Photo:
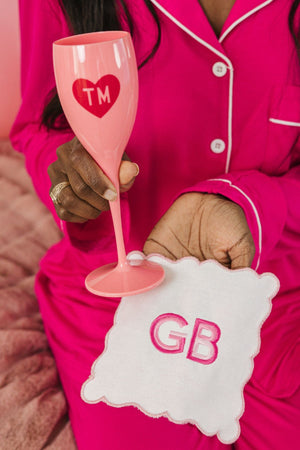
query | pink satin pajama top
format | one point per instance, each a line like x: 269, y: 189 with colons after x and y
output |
x: 218, y: 115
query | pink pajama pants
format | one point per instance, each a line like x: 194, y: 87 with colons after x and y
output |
x: 76, y: 324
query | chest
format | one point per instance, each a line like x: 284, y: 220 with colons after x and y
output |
x: 217, y: 12
x: 207, y: 120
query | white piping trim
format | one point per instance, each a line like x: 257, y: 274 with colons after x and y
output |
x: 217, y: 52
x: 230, y: 101
x: 255, y: 213
x: 193, y: 35
x: 285, y: 122
x: 234, y: 24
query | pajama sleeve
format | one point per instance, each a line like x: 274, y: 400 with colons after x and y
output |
x: 40, y: 25
x: 42, y: 22
x: 271, y: 205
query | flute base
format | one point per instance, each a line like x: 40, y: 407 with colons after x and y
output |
x: 134, y: 277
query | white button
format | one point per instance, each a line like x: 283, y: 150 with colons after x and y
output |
x: 219, y: 69
x: 217, y: 146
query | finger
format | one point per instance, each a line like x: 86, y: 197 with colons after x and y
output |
x: 81, y: 161
x: 68, y: 201
x: 67, y: 216
x: 56, y: 174
x: 56, y: 177
x: 242, y: 254
x: 81, y: 189
x: 126, y: 187
x: 70, y: 207
x: 85, y: 193
x: 127, y: 173
x: 151, y: 246
x: 240, y: 262
x: 95, y: 178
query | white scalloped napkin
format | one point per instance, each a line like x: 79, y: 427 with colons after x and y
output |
x: 185, y: 349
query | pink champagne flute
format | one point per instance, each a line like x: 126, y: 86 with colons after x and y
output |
x: 97, y: 83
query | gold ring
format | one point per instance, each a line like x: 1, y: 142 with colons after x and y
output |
x: 54, y: 194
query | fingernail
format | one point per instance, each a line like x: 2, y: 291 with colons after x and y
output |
x: 110, y: 195
x: 137, y: 169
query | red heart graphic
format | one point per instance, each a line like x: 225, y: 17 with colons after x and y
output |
x: 97, y: 98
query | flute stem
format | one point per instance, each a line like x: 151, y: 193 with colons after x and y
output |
x: 115, y: 208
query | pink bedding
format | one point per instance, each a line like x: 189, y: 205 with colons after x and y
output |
x: 33, y: 411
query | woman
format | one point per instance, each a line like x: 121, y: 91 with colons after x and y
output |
x: 217, y: 142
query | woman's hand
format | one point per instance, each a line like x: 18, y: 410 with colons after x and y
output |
x: 206, y: 226
x: 89, y: 189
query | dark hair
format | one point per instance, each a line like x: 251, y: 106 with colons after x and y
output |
x: 294, y: 29
x: 85, y: 16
